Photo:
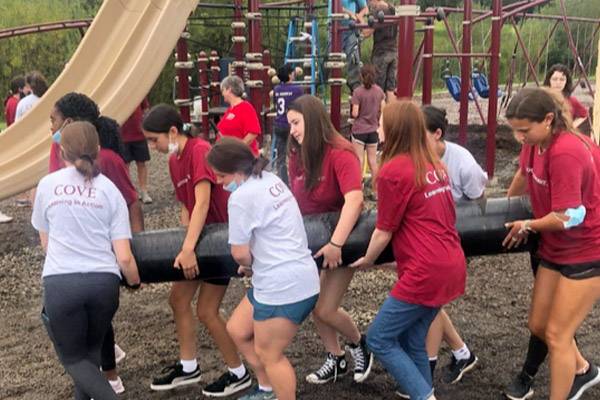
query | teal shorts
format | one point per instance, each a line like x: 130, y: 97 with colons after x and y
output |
x: 295, y: 312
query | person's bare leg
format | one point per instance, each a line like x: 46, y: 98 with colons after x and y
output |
x: 330, y: 319
x: 241, y: 330
x: 573, y: 301
x: 359, y: 149
x: 372, y: 159
x: 207, y: 310
x: 180, y: 300
x: 142, y: 175
x: 272, y: 336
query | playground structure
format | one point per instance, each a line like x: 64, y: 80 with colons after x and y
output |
x: 125, y: 48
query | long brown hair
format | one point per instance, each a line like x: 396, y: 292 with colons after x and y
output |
x: 80, y: 145
x: 367, y: 75
x: 319, y: 133
x: 534, y: 104
x: 405, y: 133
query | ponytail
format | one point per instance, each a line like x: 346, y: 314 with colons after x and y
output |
x: 258, y: 166
x: 87, y: 167
x: 80, y: 143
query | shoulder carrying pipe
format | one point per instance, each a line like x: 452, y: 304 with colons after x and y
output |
x: 479, y: 223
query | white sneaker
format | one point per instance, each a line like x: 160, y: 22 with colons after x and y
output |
x: 146, y: 199
x: 4, y: 218
x: 119, y: 354
x: 117, y: 385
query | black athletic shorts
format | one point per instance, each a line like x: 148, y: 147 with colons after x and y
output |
x: 136, y: 151
x: 366, y: 139
x: 574, y: 271
x: 217, y: 281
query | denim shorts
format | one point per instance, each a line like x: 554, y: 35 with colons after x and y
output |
x: 295, y: 312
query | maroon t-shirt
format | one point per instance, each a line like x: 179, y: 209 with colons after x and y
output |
x: 340, y: 174
x: 131, y: 130
x: 369, y: 108
x: 240, y: 120
x: 566, y: 175
x: 114, y: 168
x: 430, y: 260
x: 577, y: 109
x: 10, y: 110
x: 191, y: 167
x: 56, y: 162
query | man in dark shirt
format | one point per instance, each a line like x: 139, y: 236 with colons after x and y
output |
x: 385, y: 49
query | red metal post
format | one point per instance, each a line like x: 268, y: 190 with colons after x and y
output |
x: 204, y: 91
x: 428, y: 62
x: 238, y: 47
x: 525, y: 51
x: 406, y: 43
x: 215, y: 82
x: 465, y: 73
x: 255, y: 47
x: 336, y: 73
x: 494, y: 72
x: 183, y: 85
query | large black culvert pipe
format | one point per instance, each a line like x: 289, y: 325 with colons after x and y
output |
x: 479, y: 223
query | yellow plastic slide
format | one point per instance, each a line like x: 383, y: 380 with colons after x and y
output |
x: 116, y: 64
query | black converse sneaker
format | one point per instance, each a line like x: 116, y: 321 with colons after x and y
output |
x: 227, y: 384
x: 584, y: 381
x: 457, y: 368
x: 363, y: 360
x: 520, y: 388
x: 334, y: 367
x: 173, y: 376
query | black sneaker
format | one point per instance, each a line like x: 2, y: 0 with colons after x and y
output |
x: 457, y: 368
x: 520, y: 388
x: 173, y: 376
x: 584, y: 382
x: 334, y: 367
x: 227, y: 384
x: 363, y: 360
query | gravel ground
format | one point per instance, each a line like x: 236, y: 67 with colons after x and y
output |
x: 491, y: 315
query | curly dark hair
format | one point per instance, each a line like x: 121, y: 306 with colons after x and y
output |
x: 78, y: 106
x: 110, y: 137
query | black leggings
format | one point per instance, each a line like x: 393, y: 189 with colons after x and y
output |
x: 107, y: 353
x: 78, y: 310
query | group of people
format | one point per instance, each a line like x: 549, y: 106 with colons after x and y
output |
x: 88, y: 198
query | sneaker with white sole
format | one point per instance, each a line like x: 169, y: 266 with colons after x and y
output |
x: 363, y: 360
x: 457, y: 368
x: 119, y: 354
x: 4, y: 218
x: 173, y: 376
x: 521, y: 388
x: 227, y: 385
x: 117, y: 385
x: 145, y: 197
x: 584, y: 381
x: 331, y: 370
x: 258, y: 394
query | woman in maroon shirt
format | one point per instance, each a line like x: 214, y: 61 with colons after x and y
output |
x: 325, y: 176
x: 559, y: 78
x: 560, y: 168
x: 415, y: 213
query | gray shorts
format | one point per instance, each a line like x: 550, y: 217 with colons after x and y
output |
x: 387, y: 67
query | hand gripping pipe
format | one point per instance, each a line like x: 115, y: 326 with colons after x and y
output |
x: 479, y: 223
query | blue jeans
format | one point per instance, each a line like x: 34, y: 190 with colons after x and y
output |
x: 397, y: 338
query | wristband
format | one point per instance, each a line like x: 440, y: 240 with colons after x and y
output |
x: 336, y: 245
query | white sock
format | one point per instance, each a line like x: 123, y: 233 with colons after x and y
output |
x: 462, y: 354
x: 434, y: 358
x: 238, y: 371
x: 265, y: 388
x: 189, y: 365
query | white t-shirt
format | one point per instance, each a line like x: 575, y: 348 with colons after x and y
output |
x: 25, y: 104
x: 81, y: 219
x: 264, y: 214
x: 467, y: 179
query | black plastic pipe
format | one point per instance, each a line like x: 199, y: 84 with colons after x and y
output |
x: 479, y: 223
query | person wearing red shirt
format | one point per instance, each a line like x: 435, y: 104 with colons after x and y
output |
x: 415, y: 212
x: 203, y: 202
x: 325, y: 176
x: 135, y: 148
x: 559, y: 78
x: 560, y: 168
x: 240, y: 120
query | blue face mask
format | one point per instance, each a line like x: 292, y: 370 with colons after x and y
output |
x: 56, y: 136
x: 231, y: 186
